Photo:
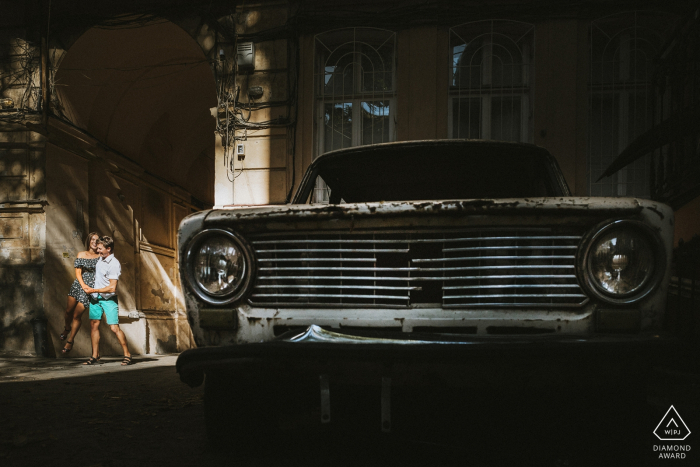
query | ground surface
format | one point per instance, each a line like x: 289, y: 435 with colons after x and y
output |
x: 58, y: 412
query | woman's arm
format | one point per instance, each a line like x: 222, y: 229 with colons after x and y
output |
x: 79, y: 273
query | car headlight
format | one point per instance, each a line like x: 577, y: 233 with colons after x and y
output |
x: 622, y: 262
x: 218, y: 265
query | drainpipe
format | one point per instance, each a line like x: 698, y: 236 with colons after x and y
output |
x: 45, y: 98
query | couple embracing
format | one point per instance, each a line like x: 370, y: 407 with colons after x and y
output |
x: 97, y: 274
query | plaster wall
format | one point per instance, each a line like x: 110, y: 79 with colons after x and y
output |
x: 263, y: 175
x: 142, y: 214
x: 22, y: 235
x: 560, y: 97
x: 67, y: 224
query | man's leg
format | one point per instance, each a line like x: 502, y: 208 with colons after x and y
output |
x: 111, y: 308
x: 95, y: 337
x: 95, y: 315
x: 121, y: 338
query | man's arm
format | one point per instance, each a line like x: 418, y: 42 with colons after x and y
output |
x: 111, y: 288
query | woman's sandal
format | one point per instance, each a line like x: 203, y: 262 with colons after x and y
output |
x: 127, y: 361
x: 91, y: 361
x: 64, y: 334
x: 65, y: 350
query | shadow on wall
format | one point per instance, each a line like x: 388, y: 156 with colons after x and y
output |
x: 21, y: 292
x: 70, y: 201
x: 149, y: 281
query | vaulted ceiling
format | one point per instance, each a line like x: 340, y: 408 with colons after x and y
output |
x: 145, y: 92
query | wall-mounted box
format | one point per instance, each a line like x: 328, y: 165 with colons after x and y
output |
x: 245, y: 56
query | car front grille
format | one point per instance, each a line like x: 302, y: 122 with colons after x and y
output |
x: 452, y: 269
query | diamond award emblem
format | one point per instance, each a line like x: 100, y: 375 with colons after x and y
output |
x: 672, y: 427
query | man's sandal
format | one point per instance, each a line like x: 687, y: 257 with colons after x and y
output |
x: 64, y: 334
x: 91, y: 361
x: 127, y: 361
x: 65, y: 350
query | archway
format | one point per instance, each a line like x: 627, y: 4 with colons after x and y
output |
x: 145, y: 159
x: 145, y: 92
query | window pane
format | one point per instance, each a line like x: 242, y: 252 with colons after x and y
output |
x: 466, y: 64
x: 321, y: 193
x: 377, y: 67
x: 375, y: 122
x: 339, y: 72
x: 603, y: 126
x: 466, y: 118
x: 490, y: 82
x: 506, y: 60
x: 505, y: 118
x: 337, y: 126
x: 355, y: 89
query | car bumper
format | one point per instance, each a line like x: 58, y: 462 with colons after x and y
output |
x: 463, y: 360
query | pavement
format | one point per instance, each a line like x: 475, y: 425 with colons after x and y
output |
x: 14, y: 368
x: 60, y: 412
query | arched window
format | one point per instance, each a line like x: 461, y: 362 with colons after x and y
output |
x: 491, y: 80
x: 355, y: 87
x: 355, y: 90
x: 622, y: 48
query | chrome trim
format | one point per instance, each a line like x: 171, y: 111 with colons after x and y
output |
x: 328, y: 305
x: 384, y: 297
x: 478, y: 258
x: 319, y: 286
x: 515, y: 247
x: 463, y: 268
x: 335, y: 250
x: 393, y: 257
x: 380, y: 279
x: 331, y: 268
x: 513, y: 295
x: 511, y: 286
x: 417, y: 240
x: 514, y: 305
x: 359, y: 260
x: 521, y: 266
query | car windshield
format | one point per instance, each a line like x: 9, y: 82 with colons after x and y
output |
x: 424, y: 172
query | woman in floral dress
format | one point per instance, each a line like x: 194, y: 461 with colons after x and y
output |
x: 78, y: 300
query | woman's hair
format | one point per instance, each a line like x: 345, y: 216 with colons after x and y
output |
x: 89, y: 237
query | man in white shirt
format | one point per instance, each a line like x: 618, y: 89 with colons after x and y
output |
x: 103, y: 299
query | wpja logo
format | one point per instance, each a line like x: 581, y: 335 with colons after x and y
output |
x: 672, y: 428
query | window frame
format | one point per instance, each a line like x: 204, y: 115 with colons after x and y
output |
x: 488, y: 94
x: 358, y: 96
x: 620, y: 86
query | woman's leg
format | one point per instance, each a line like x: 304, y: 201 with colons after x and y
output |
x: 75, y: 323
x: 68, y: 317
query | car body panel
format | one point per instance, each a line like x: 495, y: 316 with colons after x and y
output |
x: 248, y: 325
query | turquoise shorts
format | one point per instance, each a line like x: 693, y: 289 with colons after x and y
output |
x: 109, y: 306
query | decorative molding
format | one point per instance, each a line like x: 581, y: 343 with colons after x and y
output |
x: 159, y: 250
x: 31, y: 206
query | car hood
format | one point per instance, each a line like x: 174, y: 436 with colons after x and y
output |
x: 568, y: 205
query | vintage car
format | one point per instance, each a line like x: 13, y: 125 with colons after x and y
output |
x: 399, y: 263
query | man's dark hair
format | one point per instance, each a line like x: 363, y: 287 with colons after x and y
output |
x: 107, y: 242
